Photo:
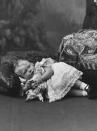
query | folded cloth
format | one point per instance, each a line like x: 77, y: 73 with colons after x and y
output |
x: 77, y: 48
x: 31, y: 94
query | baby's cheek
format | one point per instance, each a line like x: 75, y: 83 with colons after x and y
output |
x: 28, y: 75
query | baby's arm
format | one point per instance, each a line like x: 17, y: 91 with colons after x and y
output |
x: 47, y: 75
x: 34, y: 83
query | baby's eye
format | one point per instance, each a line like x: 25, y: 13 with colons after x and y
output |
x: 30, y: 71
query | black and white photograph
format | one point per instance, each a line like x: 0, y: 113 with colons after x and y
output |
x: 48, y: 65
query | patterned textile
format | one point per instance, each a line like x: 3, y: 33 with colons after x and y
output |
x: 88, y: 62
x: 77, y: 48
x: 60, y: 83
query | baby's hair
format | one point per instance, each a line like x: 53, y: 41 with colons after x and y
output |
x: 10, y: 81
x: 7, y: 68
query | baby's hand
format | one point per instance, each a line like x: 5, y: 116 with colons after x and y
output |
x: 26, y: 86
x: 30, y: 84
x: 34, y: 84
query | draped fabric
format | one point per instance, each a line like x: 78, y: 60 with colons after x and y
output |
x: 80, y: 49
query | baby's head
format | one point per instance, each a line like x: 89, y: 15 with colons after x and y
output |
x: 24, y: 69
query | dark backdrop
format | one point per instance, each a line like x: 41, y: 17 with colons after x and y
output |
x: 62, y: 17
x: 38, y: 24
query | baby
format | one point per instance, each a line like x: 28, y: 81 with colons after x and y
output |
x: 28, y: 76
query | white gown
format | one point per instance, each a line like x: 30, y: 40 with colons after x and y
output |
x: 62, y: 81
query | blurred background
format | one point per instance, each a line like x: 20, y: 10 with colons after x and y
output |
x: 38, y: 24
x: 62, y: 17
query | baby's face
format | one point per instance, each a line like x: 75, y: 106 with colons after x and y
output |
x: 24, y: 69
x: 29, y: 72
